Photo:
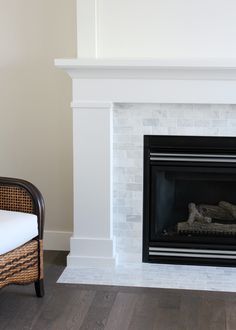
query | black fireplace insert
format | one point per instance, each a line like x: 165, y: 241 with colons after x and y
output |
x: 189, y: 200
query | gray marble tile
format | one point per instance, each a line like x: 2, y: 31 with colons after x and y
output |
x: 155, y: 276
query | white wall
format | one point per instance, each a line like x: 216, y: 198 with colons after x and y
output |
x: 157, y: 28
x: 35, y: 114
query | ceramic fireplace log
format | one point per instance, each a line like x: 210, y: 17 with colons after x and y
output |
x: 200, y: 219
x: 217, y: 212
x: 195, y: 215
x: 228, y: 207
x: 205, y: 228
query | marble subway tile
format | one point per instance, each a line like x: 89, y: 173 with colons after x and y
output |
x: 131, y: 122
x: 151, y: 122
x: 134, y: 187
x: 133, y: 218
x: 219, y: 123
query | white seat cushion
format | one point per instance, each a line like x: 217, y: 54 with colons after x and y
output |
x: 16, y: 228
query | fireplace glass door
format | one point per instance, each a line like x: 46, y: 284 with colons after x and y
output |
x: 211, y: 192
x: 189, y: 199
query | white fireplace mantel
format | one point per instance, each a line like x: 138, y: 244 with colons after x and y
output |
x: 167, y: 81
x: 97, y: 85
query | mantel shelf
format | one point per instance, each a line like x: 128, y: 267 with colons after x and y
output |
x: 112, y: 63
x: 159, y: 69
x: 208, y: 81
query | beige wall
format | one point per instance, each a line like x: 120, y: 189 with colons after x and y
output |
x: 35, y: 115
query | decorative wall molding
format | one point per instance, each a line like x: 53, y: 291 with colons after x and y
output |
x: 106, y: 29
x: 87, y: 28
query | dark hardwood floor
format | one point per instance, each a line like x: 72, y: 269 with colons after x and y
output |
x: 91, y: 307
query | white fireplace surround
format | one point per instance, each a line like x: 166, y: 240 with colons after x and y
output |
x: 97, y: 85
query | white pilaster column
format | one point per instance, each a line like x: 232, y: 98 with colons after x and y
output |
x: 92, y: 242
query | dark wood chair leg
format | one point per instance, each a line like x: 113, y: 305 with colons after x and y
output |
x: 39, y: 288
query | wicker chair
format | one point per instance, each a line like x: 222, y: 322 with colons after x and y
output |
x: 24, y: 264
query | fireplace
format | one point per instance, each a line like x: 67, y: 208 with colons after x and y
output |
x: 189, y: 213
x: 99, y: 85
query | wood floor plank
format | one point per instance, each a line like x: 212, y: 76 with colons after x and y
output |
x: 213, y: 314
x: 230, y: 315
x: 144, y: 314
x: 78, y: 309
x: 99, y: 310
x: 190, y: 310
x: 15, y: 301
x: 167, y: 311
x: 92, y: 307
x: 168, y: 319
x: 198, y: 311
x: 122, y: 311
x: 66, y: 309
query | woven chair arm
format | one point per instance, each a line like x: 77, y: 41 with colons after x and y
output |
x: 22, y: 196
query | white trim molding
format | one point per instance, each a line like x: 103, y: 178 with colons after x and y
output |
x: 92, y: 243
x: 87, y: 28
x: 153, y: 81
x: 91, y: 252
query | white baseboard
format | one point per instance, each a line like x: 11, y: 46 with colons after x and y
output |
x: 57, y: 240
x: 91, y: 252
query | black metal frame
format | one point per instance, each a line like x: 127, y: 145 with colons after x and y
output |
x: 183, y: 144
x: 37, y: 199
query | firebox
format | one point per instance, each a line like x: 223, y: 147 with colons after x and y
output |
x: 189, y: 201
